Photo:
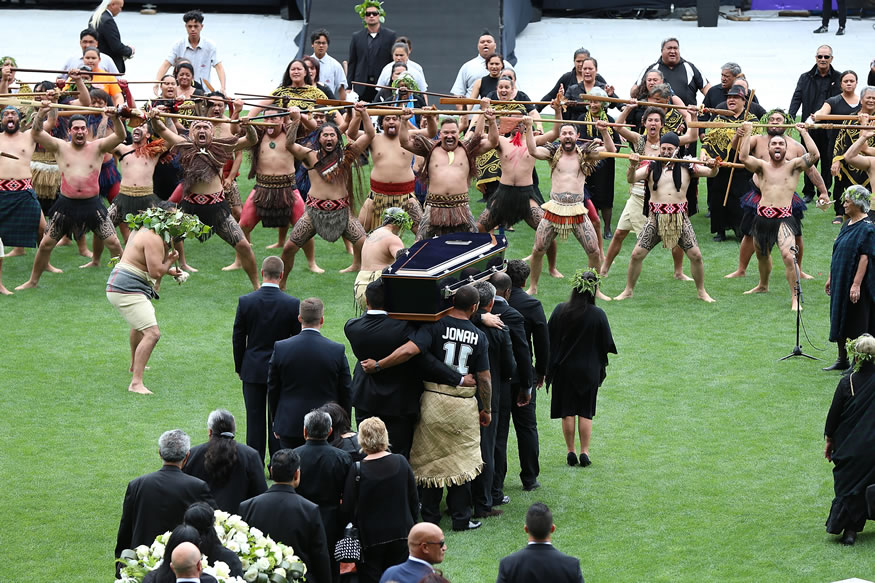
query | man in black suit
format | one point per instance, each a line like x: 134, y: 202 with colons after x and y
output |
x: 501, y: 369
x: 109, y: 41
x: 263, y: 318
x: 392, y: 394
x: 525, y: 421
x: 231, y: 482
x: 539, y: 561
x: 306, y: 371
x: 323, y: 475
x: 156, y: 502
x: 370, y: 49
x: 289, y: 518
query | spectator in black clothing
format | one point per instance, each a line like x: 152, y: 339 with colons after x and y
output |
x: 323, y: 475
x: 489, y: 83
x: 827, y: 14
x: 683, y: 76
x: 755, y: 108
x: 181, y: 534
x: 572, y: 77
x: 109, y: 40
x: 380, y: 499
x: 370, y: 49
x: 234, y: 471
x: 501, y: 368
x: 341, y: 435
x: 201, y: 516
x: 814, y: 87
x: 717, y: 94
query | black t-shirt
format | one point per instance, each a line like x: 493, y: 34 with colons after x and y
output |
x: 458, y: 343
x: 684, y: 79
x: 838, y: 106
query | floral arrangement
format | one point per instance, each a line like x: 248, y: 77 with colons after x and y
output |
x: 398, y: 217
x: 263, y: 559
x: 857, y: 356
x: 171, y: 225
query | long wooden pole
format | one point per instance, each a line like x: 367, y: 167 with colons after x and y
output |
x: 277, y: 97
x: 582, y: 101
x: 575, y: 122
x: 61, y: 72
x: 408, y: 90
x: 661, y: 159
x: 830, y: 117
x: 434, y: 112
x: 819, y: 126
x: 735, y: 158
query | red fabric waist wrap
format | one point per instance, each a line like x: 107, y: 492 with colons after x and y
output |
x: 774, y: 212
x: 15, y: 184
x: 213, y: 198
x: 393, y: 189
x: 668, y: 208
x: 327, y: 205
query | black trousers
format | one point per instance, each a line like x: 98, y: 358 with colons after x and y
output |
x: 824, y: 146
x: 259, y: 425
x: 827, y: 12
x: 458, y: 503
x: 525, y: 425
x: 481, y: 487
x: 291, y: 442
x: 377, y: 558
x: 399, y: 427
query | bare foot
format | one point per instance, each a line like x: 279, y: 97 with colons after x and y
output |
x: 703, y: 295
x: 315, y: 268
x: 91, y: 263
x: 274, y: 246
x: 4, y: 291
x: 804, y: 275
x: 555, y: 273
x: 86, y: 253
x: 188, y: 268
x: 26, y: 285
x: 139, y: 388
x: 351, y: 269
x: 760, y: 289
x: 682, y: 277
x: 233, y: 266
x: 600, y: 295
x: 532, y: 291
x: 52, y: 269
x: 627, y: 293
x: 736, y: 273
x: 794, y: 305
x: 604, y: 273
x: 16, y: 252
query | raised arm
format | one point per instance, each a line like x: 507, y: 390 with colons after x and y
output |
x: 49, y: 143
x: 109, y: 143
x: 361, y: 143
x: 6, y: 78
x: 811, y: 157
x: 853, y: 155
x: 296, y: 149
x: 405, y: 139
x: 607, y: 138
x: 249, y: 139
x: 553, y: 134
x: 492, y: 139
x: 750, y: 163
x: 535, y: 151
x: 627, y: 133
x: 171, y: 137
x: 634, y: 173
x: 707, y: 168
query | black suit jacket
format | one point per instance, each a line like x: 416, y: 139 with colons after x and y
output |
x: 536, y: 327
x: 109, y: 41
x: 246, y: 480
x: 539, y: 562
x: 323, y: 477
x: 156, y: 503
x: 306, y: 371
x: 522, y: 354
x: 393, y: 391
x: 365, y: 64
x: 263, y: 317
x: 501, y: 362
x: 289, y: 518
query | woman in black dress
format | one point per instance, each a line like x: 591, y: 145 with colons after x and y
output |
x: 850, y: 442
x: 380, y: 499
x: 488, y: 83
x: 181, y: 534
x: 201, y: 516
x: 580, y: 340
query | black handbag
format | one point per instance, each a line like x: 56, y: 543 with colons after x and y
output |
x: 349, y: 549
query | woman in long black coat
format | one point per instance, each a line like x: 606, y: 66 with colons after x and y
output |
x: 580, y: 340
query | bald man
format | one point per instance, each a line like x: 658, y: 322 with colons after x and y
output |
x: 427, y: 547
x: 185, y: 562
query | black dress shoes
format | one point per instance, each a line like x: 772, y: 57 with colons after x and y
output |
x: 584, y: 460
x: 472, y: 525
x: 840, y: 31
x: 571, y: 458
x: 837, y: 365
x: 823, y: 28
x: 849, y: 538
x: 720, y: 237
x: 531, y: 487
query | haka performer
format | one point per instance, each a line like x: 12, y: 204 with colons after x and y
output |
x: 380, y: 250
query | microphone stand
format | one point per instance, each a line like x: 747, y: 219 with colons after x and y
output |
x: 797, y: 289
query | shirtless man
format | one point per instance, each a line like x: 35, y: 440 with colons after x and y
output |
x: 633, y: 218
x: 759, y: 147
x: 215, y: 107
x: 668, y: 221
x: 854, y: 155
x: 775, y: 222
x: 79, y: 207
x: 565, y: 212
x: 275, y: 200
x: 329, y: 166
x: 21, y: 219
x: 392, y: 179
x: 448, y: 169
x: 131, y: 287
x: 380, y: 249
x: 202, y: 157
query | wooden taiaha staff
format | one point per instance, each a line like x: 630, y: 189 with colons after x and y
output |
x: 61, y: 72
x: 276, y: 97
x: 819, y: 126
x: 735, y: 158
x: 36, y: 94
x: 434, y: 112
x: 582, y: 101
x: 661, y: 159
x: 575, y: 122
x: 831, y: 117
x: 433, y: 94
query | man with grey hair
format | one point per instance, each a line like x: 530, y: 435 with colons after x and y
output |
x: 156, y: 502
x: 729, y: 72
x: 502, y: 367
x: 305, y: 372
x: 573, y: 77
x: 323, y: 475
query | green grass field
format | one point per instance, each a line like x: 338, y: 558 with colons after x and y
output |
x: 707, y: 451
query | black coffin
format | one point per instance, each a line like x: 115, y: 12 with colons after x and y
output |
x: 420, y: 284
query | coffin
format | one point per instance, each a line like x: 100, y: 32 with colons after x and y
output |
x: 420, y: 284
